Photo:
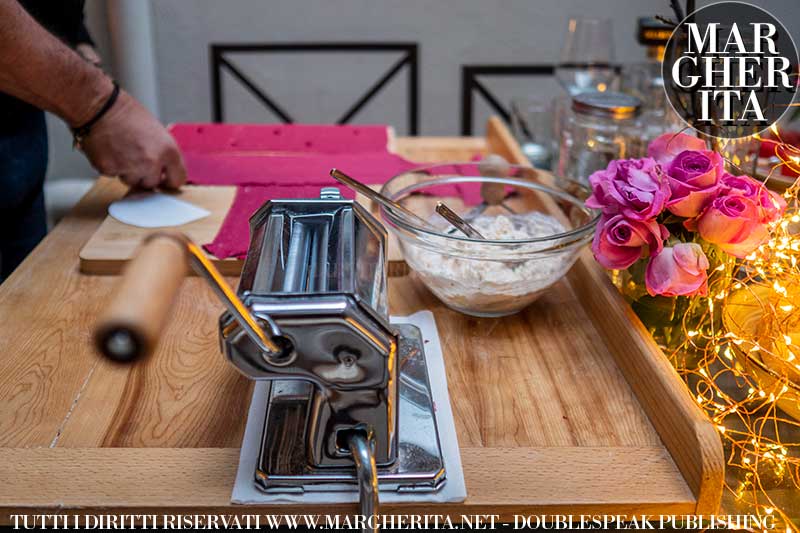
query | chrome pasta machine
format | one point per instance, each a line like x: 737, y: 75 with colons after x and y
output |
x: 349, y: 407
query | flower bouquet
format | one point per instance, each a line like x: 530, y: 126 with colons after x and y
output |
x: 672, y: 220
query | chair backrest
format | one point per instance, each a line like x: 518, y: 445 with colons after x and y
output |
x: 221, y: 60
x: 472, y: 81
x: 471, y: 84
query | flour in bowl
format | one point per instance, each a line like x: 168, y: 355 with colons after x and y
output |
x: 474, y: 277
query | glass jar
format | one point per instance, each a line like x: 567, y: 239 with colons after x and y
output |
x: 600, y: 127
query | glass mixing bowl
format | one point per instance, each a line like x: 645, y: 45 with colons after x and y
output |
x: 534, y: 223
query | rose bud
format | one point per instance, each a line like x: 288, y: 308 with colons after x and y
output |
x: 667, y: 146
x: 680, y: 270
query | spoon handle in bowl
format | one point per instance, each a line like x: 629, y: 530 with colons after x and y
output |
x: 375, y: 196
x: 453, y: 218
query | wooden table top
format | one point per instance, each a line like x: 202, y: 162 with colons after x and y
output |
x: 83, y: 422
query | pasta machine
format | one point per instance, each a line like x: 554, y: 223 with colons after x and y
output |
x: 349, y: 406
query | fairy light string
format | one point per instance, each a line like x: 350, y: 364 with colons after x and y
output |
x: 724, y: 363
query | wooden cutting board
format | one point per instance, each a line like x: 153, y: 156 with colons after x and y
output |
x: 115, y: 242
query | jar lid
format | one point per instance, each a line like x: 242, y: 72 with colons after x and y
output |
x: 653, y: 32
x: 606, y: 104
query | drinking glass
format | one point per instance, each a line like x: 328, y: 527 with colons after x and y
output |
x: 532, y: 123
x: 587, y: 56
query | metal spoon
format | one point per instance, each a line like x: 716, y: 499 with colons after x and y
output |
x: 374, y: 195
x: 462, y: 225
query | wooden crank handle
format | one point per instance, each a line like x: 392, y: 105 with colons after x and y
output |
x: 130, y: 326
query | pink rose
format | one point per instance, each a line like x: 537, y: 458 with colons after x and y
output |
x: 620, y: 242
x: 666, y: 147
x: 693, y: 178
x: 734, y: 223
x: 680, y: 270
x: 742, y: 185
x: 772, y: 205
x: 636, y: 188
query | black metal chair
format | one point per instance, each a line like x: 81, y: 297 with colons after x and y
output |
x: 471, y: 84
x: 220, y: 61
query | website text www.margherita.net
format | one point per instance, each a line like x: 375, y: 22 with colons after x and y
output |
x: 307, y: 522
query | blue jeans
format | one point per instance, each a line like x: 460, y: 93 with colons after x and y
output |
x: 23, y: 163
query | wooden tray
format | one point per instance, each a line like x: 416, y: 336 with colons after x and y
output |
x: 567, y: 407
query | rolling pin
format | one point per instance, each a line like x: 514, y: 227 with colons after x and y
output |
x: 130, y: 326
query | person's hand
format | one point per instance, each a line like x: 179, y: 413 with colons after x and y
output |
x: 130, y: 143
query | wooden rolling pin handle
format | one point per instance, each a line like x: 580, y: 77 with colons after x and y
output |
x: 496, y: 166
x: 130, y: 326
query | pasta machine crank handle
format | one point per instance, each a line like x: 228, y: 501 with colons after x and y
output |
x: 130, y: 326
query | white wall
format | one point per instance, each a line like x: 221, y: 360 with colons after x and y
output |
x: 320, y: 88
x: 450, y: 33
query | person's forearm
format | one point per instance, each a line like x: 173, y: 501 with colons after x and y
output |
x: 38, y: 68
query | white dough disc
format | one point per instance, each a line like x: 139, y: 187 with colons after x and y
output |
x: 155, y: 210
